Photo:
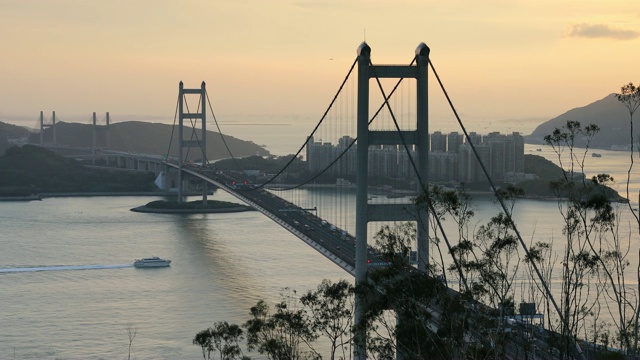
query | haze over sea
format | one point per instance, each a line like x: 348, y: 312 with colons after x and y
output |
x: 75, y: 292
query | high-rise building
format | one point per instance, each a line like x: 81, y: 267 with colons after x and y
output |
x: 501, y: 155
x: 438, y: 142
x: 496, y: 143
x: 454, y: 140
x: 465, y: 172
x: 518, y: 150
x: 484, y: 154
x: 476, y: 139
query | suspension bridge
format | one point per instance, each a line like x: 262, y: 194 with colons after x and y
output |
x: 364, y: 140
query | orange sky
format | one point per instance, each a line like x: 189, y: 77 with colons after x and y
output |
x: 500, y: 59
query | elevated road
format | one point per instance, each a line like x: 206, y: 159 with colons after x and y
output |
x: 333, y: 243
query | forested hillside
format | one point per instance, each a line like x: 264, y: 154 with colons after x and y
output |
x: 31, y: 169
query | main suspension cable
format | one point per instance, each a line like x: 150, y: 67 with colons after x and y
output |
x: 422, y: 184
x: 502, y: 204
x: 173, y: 128
x: 314, y: 129
x: 215, y: 120
x: 380, y: 108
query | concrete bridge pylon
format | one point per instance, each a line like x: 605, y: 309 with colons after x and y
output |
x: 419, y: 137
x: 52, y: 126
x: 201, y: 140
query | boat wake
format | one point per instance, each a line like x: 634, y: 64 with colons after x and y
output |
x: 64, y: 267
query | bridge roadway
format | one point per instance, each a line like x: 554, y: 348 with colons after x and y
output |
x: 338, y: 247
x: 335, y: 244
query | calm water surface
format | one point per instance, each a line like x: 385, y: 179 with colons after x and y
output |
x: 222, y: 264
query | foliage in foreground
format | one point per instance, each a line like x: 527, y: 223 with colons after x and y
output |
x: 478, y: 322
x: 290, y: 329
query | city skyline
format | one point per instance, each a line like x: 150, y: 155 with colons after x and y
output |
x: 283, y: 61
x: 451, y: 158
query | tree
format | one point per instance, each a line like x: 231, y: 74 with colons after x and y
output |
x: 430, y: 321
x: 331, y: 309
x: 225, y: 338
x: 222, y: 337
x: 280, y: 335
x: 629, y: 96
x: 594, y: 261
x: 131, y: 332
x: 289, y: 332
x: 203, y: 339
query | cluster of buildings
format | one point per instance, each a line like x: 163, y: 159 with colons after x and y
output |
x: 451, y: 159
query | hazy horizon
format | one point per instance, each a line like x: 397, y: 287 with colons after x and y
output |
x: 283, y: 60
x: 524, y: 126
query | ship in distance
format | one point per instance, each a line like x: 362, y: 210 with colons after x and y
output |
x: 151, y: 262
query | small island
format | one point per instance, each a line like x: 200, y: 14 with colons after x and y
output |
x: 191, y: 207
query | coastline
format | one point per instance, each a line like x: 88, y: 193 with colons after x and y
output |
x: 144, y: 209
x: 42, y: 196
x: 140, y: 209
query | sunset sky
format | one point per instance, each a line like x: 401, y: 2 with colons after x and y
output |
x: 276, y: 59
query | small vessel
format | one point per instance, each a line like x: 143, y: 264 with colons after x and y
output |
x: 151, y: 262
x: 596, y: 155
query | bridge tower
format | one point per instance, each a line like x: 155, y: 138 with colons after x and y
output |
x: 94, y: 140
x: 108, y: 133
x: 201, y: 141
x: 52, y: 126
x: 419, y: 137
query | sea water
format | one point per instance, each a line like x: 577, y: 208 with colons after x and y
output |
x: 68, y: 290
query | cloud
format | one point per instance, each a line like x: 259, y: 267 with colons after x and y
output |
x: 600, y: 31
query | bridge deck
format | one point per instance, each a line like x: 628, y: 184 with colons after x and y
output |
x: 335, y: 245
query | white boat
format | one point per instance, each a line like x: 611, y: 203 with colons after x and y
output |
x: 151, y: 262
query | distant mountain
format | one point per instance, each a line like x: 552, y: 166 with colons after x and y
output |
x: 13, y: 131
x: 608, y: 113
x: 9, y: 131
x: 147, y: 138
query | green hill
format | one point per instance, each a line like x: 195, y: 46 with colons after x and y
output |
x: 13, y: 131
x: 9, y: 131
x: 543, y: 168
x: 608, y: 113
x: 31, y: 169
x: 147, y: 138
x: 547, y: 173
